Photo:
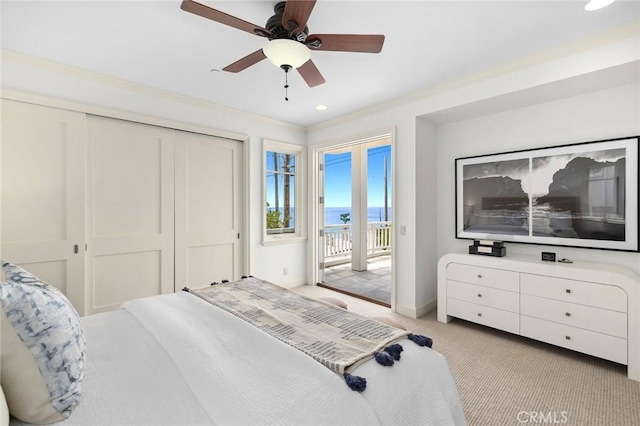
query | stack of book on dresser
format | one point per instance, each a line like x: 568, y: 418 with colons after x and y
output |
x: 488, y: 248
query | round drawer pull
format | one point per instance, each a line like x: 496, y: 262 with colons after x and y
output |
x: 567, y: 337
x: 479, y: 314
x: 479, y: 295
x: 479, y: 275
x: 568, y: 290
x: 568, y: 314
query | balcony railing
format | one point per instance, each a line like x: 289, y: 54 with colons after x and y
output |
x: 337, y: 241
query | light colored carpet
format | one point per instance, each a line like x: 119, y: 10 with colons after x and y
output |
x: 504, y: 379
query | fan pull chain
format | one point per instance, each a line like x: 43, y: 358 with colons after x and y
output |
x: 286, y: 69
x: 286, y: 84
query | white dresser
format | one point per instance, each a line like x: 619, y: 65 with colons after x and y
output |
x: 588, y: 307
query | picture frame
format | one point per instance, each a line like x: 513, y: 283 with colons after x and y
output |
x: 575, y: 195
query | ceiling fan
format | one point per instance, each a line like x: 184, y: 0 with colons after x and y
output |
x: 289, y: 44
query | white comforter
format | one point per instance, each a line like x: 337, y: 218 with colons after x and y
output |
x: 179, y: 360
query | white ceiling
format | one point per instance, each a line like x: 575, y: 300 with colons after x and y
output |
x: 427, y: 43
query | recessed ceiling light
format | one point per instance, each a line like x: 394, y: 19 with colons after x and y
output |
x: 597, y: 4
x: 321, y: 107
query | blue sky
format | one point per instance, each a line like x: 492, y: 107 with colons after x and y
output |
x: 338, y: 178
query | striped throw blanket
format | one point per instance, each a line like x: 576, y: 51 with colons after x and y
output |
x: 333, y: 336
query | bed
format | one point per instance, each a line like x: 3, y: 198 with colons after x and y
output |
x: 176, y: 359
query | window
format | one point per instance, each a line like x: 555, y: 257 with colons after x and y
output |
x: 283, y: 183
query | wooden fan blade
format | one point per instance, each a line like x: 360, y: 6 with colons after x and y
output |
x: 297, y: 11
x: 245, y: 62
x: 221, y: 17
x: 367, y: 43
x: 310, y: 74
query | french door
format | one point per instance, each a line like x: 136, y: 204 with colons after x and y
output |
x: 354, y: 248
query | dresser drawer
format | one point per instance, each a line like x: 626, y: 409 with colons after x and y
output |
x: 581, y: 292
x: 489, y: 277
x: 586, y: 317
x: 486, y: 296
x: 496, y: 318
x: 577, y: 339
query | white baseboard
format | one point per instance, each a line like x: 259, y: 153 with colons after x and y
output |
x: 291, y: 284
x: 416, y: 312
x: 427, y: 307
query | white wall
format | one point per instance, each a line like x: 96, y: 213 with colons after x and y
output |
x: 426, y: 210
x: 595, y: 116
x: 71, y: 88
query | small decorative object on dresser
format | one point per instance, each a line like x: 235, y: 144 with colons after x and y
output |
x: 588, y: 307
x: 548, y: 256
x: 488, y: 248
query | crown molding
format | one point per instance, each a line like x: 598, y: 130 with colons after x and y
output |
x: 67, y: 70
x: 611, y: 36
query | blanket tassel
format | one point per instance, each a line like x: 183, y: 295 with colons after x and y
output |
x: 384, y: 358
x: 420, y: 340
x: 356, y: 383
x: 394, y: 350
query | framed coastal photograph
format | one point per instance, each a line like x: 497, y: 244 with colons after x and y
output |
x: 579, y: 195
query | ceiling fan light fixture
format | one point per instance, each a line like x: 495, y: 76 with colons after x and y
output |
x: 597, y: 4
x: 286, y: 52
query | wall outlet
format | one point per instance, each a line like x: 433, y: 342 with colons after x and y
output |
x: 285, y: 271
x: 403, y: 230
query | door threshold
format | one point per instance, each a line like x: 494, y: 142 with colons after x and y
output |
x: 356, y: 295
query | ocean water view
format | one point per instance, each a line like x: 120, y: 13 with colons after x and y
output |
x: 374, y: 214
x: 332, y: 215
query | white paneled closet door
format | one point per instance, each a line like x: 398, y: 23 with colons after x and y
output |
x: 208, y: 210
x: 42, y: 178
x: 130, y: 212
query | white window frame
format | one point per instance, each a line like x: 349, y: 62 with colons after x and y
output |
x: 300, y: 201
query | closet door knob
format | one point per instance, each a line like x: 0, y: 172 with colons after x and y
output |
x: 568, y: 314
x: 479, y: 275
x: 479, y: 314
x: 479, y: 295
x: 567, y: 337
x: 568, y: 290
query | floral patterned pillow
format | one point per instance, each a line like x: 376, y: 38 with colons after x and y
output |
x: 42, y: 348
